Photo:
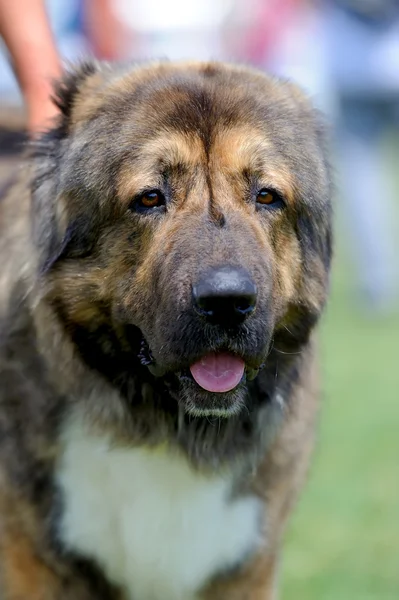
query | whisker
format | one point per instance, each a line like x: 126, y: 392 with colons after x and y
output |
x: 286, y: 328
x: 287, y: 353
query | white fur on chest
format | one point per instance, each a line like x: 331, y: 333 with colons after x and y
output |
x: 157, y: 527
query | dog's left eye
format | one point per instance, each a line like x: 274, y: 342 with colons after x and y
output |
x: 148, y: 200
x: 268, y: 197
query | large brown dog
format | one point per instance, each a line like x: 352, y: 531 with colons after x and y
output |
x: 161, y: 275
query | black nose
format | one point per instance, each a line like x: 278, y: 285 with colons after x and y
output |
x: 226, y: 295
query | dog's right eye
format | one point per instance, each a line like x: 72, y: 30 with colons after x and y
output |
x: 147, y: 201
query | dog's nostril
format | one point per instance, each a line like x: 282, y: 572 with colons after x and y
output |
x: 246, y: 306
x: 225, y: 294
x: 205, y: 304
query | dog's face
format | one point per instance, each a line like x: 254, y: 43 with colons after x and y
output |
x: 182, y: 215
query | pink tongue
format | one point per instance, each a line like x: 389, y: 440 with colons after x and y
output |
x: 219, y: 372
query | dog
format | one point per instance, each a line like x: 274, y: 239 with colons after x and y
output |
x: 165, y: 260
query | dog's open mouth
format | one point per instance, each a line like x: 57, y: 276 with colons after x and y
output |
x: 216, y: 372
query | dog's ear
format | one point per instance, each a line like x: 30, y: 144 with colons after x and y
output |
x: 69, y: 86
x: 58, y: 223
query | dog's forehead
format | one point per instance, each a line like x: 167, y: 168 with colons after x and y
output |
x: 199, y: 97
x: 193, y: 103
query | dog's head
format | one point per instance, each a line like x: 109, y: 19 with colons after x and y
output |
x: 183, y: 222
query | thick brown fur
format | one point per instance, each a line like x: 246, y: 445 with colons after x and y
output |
x: 93, y: 292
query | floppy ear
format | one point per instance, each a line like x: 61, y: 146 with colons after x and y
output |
x: 56, y: 224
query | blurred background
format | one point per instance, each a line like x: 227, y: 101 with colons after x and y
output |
x: 343, y: 541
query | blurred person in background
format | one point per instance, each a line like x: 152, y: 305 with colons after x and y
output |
x: 26, y: 31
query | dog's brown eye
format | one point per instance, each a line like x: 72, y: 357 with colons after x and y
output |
x: 151, y: 199
x: 266, y: 196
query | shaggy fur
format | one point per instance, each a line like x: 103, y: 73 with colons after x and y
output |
x: 97, y: 322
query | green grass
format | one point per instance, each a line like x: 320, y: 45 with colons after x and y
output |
x: 343, y: 540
